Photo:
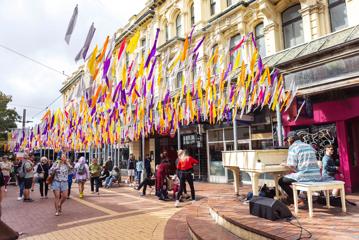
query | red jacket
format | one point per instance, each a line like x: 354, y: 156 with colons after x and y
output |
x: 187, y: 163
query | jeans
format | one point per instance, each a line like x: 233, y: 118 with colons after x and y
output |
x: 42, y: 182
x: 108, y: 181
x: 186, y: 176
x: 95, y: 181
x: 285, y: 183
x: 21, y: 187
x: 138, y: 176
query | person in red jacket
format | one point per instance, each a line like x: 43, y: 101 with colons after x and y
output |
x: 185, y: 170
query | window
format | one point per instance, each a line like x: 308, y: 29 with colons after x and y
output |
x: 338, y: 14
x: 229, y: 3
x: 212, y: 6
x: 233, y: 42
x: 166, y: 32
x: 292, y: 26
x: 192, y: 14
x: 259, y: 36
x: 178, y: 80
x: 179, y: 26
x: 143, y: 46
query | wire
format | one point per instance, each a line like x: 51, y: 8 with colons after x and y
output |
x: 23, y: 106
x: 301, y: 228
x: 47, y: 106
x: 33, y: 60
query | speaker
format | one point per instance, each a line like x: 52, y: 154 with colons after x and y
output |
x: 6, y: 233
x: 268, y: 208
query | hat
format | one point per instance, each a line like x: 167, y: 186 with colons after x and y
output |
x: 291, y: 134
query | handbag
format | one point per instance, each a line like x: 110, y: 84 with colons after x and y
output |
x: 42, y: 174
x: 50, y: 179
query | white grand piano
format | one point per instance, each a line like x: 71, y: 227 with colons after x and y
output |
x: 256, y: 162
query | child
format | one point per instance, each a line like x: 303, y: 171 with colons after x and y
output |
x: 175, y: 186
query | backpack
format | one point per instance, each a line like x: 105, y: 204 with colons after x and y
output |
x: 22, y: 171
x: 81, y: 169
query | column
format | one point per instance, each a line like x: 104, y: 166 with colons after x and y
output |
x: 342, y: 138
x: 271, y: 39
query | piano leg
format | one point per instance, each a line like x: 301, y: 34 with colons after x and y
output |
x: 255, y: 181
x: 276, y: 179
x: 236, y: 179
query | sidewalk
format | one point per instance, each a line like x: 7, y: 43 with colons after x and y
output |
x: 118, y: 213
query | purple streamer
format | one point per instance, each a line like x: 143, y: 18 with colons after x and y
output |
x: 152, y: 68
x: 198, y: 45
x: 153, y: 50
x: 106, y: 66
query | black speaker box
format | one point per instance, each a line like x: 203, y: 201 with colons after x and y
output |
x: 268, y: 208
x: 6, y: 233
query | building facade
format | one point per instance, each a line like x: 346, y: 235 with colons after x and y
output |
x: 283, y: 30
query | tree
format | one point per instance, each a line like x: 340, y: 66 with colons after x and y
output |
x: 8, y: 118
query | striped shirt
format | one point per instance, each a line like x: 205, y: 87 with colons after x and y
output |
x: 303, y: 158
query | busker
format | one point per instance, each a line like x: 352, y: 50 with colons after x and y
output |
x: 148, y: 181
x: 302, y: 162
x: 60, y: 172
x: 185, y: 170
x: 330, y: 169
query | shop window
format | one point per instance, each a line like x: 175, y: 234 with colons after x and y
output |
x: 179, y: 80
x: 215, y: 135
x: 215, y: 159
x: 259, y: 36
x: 189, y: 139
x: 338, y: 14
x: 292, y: 26
x: 232, y: 44
x: 179, y: 29
x: 228, y: 134
x: 243, y: 133
x: 212, y: 7
x: 192, y: 14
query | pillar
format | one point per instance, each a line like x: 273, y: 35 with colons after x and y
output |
x: 342, y: 139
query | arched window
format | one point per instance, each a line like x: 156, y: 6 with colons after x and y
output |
x: 233, y: 42
x: 338, y: 14
x: 192, y: 14
x: 292, y: 26
x: 143, y: 47
x: 259, y: 36
x: 179, y: 26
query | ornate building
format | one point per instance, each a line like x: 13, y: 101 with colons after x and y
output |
x: 295, y: 36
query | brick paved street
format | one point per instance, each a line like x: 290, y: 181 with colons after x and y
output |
x: 118, y: 213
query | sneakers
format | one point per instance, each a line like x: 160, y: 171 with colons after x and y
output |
x: 177, y: 203
x: 19, y: 198
x: 28, y: 200
x: 5, y: 190
x: 57, y: 214
x: 193, y: 201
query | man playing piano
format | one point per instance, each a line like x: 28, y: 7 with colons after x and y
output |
x: 302, y: 163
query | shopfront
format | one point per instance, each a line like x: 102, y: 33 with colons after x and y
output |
x: 257, y: 132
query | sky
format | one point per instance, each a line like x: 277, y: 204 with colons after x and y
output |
x: 36, y: 29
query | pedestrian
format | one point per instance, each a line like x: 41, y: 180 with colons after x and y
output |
x: 60, y: 172
x: 131, y: 168
x: 148, y: 181
x: 6, y: 166
x: 82, y: 174
x: 148, y: 165
x: 27, y: 168
x: 302, y: 163
x: 43, y: 172
x: 139, y: 169
x: 69, y: 179
x: 104, y: 174
x: 2, y: 184
x: 34, y: 179
x: 185, y: 170
x: 20, y: 173
x: 114, y: 175
x: 161, y: 175
x: 95, y: 172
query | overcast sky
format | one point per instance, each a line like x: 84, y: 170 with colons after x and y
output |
x: 36, y: 28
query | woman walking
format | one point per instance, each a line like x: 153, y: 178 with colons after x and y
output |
x: 185, y: 170
x: 82, y: 174
x: 43, y: 172
x: 95, y: 172
x: 60, y: 171
x: 6, y: 166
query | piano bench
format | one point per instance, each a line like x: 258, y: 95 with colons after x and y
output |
x: 311, y: 187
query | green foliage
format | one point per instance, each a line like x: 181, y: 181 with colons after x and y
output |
x: 7, y: 117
